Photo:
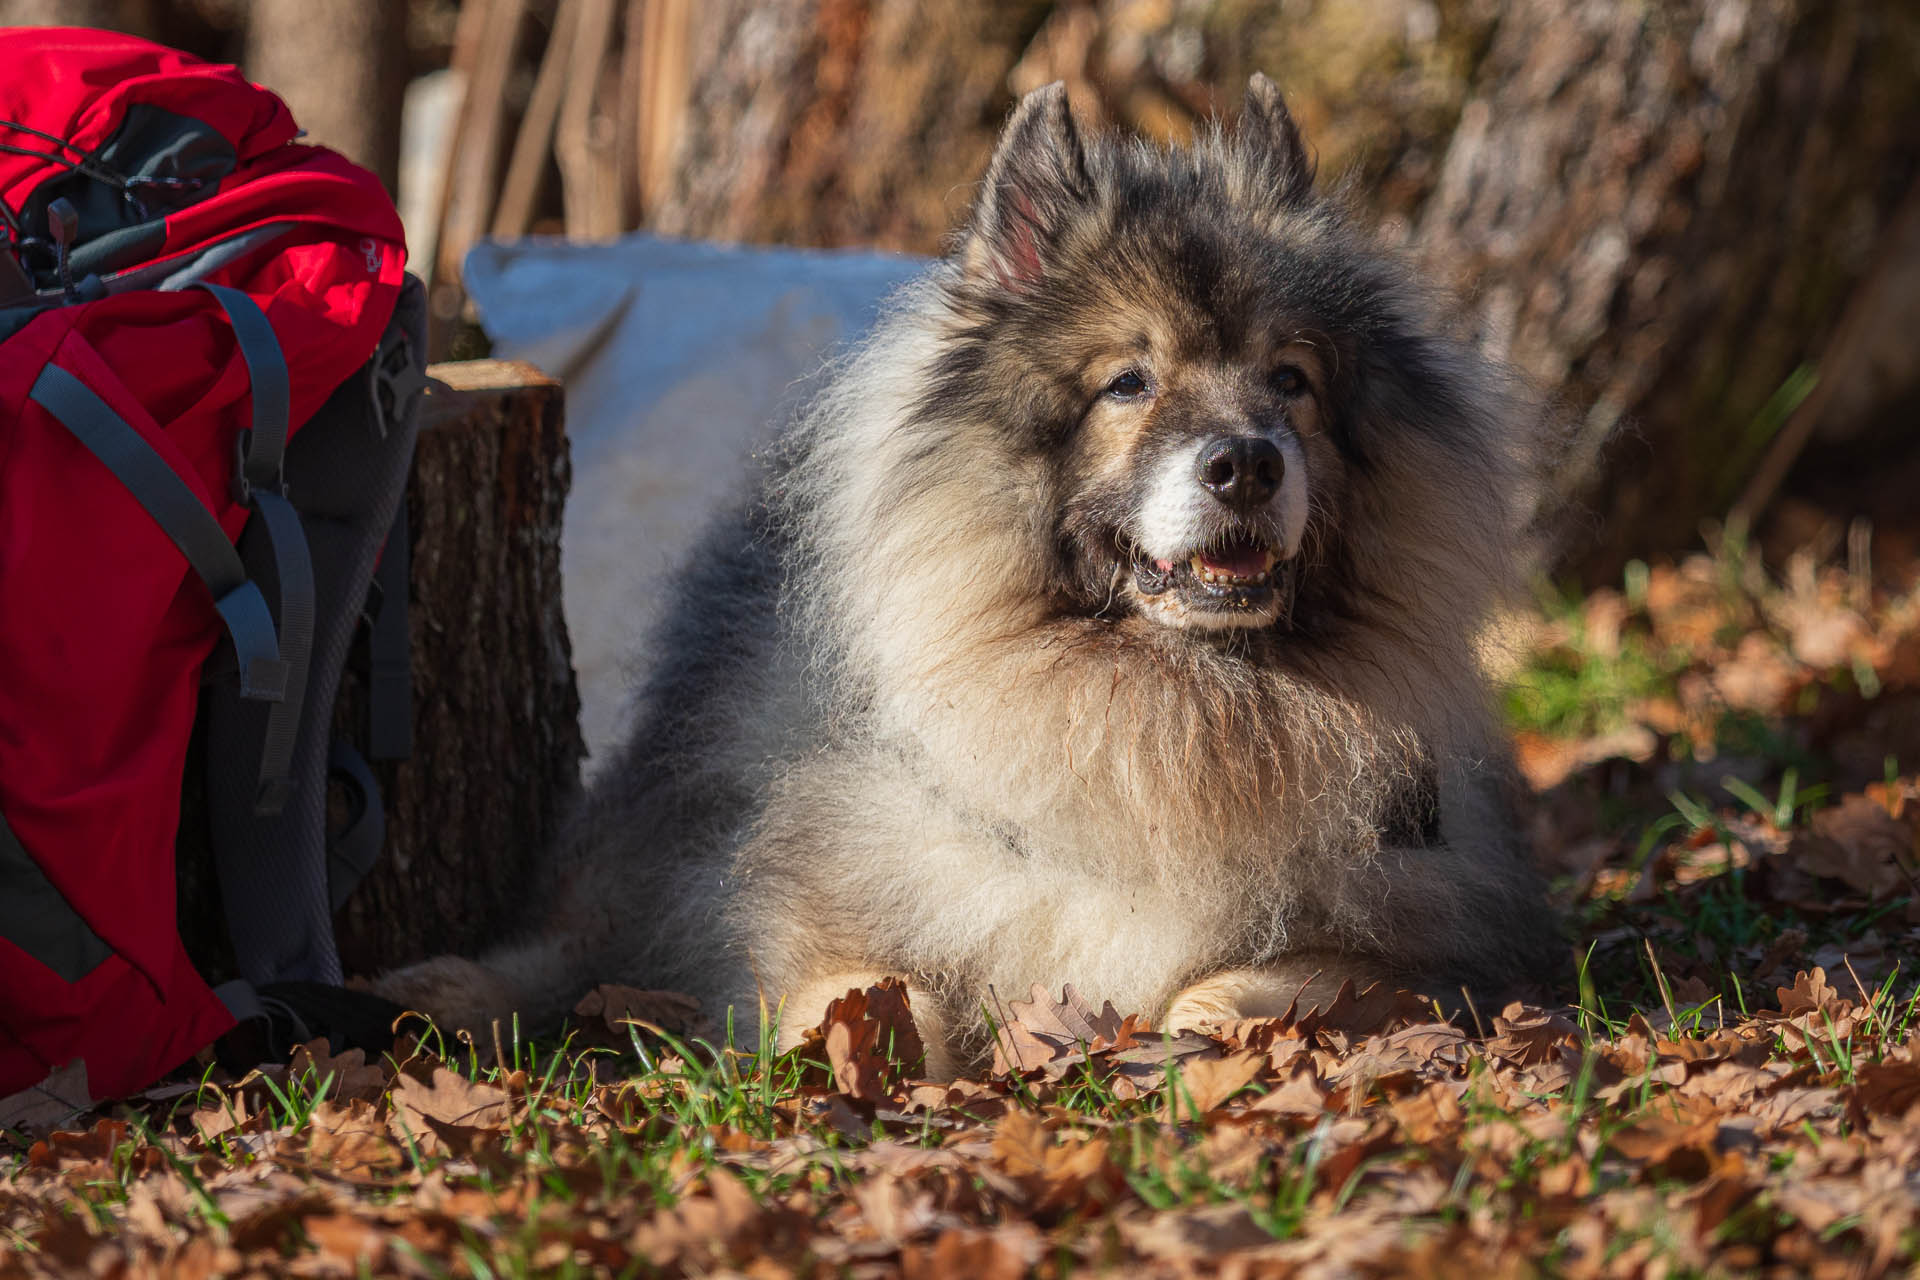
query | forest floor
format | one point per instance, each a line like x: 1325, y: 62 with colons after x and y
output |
x: 1723, y: 759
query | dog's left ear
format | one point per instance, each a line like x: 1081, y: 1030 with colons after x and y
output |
x: 1267, y: 128
x: 1036, y: 182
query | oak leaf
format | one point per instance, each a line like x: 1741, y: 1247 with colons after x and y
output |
x: 1210, y: 1082
x: 1040, y: 1030
x: 451, y: 1098
x: 350, y: 1074
x: 1885, y: 1088
x: 613, y: 1007
x: 967, y: 1253
x: 1053, y: 1173
x: 1530, y: 1037
x: 1301, y: 1095
x: 870, y: 1040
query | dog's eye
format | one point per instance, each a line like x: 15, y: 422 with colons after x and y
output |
x: 1290, y: 380
x: 1128, y: 386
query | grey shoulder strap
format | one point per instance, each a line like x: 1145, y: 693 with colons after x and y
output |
x: 36, y: 917
x: 273, y: 667
x: 261, y: 482
x: 181, y: 516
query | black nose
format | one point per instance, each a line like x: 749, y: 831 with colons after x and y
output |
x: 1242, y: 471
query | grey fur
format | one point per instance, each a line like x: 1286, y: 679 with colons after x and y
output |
x: 921, y: 710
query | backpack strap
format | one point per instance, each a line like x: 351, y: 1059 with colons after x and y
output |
x: 273, y: 667
x: 260, y: 481
x: 389, y: 650
x: 182, y: 517
x: 38, y: 919
x: 352, y: 851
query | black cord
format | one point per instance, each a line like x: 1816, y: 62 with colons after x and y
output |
x: 98, y: 173
x: 86, y: 157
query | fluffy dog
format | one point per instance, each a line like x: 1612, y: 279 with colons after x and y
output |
x: 1110, y: 618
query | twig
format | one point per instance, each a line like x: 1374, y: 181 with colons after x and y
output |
x: 1002, y: 1034
x: 1478, y: 1025
x: 1660, y: 980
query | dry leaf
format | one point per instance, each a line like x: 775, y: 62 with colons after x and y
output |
x: 350, y: 1074
x: 1528, y: 1037
x: 1038, y: 1030
x: 701, y: 1228
x: 1049, y: 1173
x: 614, y: 1006
x: 1301, y: 1095
x: 452, y: 1099
x: 1209, y: 1082
x: 53, y: 1102
x: 870, y: 1041
x: 962, y: 1253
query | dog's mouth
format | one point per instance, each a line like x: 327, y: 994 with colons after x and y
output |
x: 1241, y: 580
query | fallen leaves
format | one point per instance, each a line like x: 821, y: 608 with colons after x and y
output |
x: 871, y: 1042
x: 1356, y: 1137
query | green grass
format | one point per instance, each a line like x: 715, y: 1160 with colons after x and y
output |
x: 1578, y: 689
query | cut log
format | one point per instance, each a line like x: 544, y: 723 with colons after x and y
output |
x: 496, y: 717
x: 496, y: 730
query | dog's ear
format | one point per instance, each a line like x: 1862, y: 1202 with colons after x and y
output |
x: 1268, y: 131
x: 1037, y: 180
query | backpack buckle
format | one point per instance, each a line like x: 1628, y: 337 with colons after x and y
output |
x: 242, y: 464
x: 397, y: 381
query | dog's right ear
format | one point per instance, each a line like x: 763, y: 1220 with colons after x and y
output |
x: 1267, y: 127
x: 1037, y: 180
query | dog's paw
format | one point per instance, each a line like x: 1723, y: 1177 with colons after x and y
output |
x: 1292, y: 987
x: 458, y: 994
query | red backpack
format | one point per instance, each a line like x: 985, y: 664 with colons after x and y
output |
x: 207, y: 376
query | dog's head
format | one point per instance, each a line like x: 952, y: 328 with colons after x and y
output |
x: 1220, y: 386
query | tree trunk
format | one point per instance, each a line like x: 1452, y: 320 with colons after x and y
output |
x: 1660, y: 213
x: 118, y: 15
x: 496, y: 735
x: 341, y: 65
x: 835, y: 122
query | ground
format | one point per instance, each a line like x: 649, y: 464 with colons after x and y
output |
x: 1716, y: 751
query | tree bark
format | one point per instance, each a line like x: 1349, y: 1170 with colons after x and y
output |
x: 496, y: 738
x: 836, y: 122
x: 1660, y: 214
x: 341, y: 65
x: 118, y: 15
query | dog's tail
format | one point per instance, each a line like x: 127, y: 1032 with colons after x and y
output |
x: 535, y: 983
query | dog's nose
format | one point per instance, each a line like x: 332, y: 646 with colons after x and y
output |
x: 1242, y: 471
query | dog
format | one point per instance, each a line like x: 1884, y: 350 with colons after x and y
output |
x: 1112, y: 616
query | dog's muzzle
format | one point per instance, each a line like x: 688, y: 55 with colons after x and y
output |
x: 1217, y: 529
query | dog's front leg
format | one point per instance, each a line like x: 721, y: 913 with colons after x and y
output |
x: 1302, y: 982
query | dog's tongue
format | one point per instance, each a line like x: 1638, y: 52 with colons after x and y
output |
x: 1241, y: 561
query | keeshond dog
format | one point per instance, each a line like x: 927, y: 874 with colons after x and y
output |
x: 1112, y: 617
